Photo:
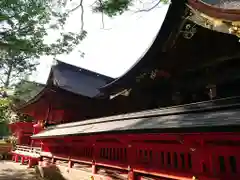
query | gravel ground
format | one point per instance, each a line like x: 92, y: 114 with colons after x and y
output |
x: 14, y: 171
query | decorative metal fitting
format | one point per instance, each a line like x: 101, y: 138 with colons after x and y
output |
x: 189, y: 31
x: 235, y: 30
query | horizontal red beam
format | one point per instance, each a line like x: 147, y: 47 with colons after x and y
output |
x: 164, y: 136
x: 222, y: 13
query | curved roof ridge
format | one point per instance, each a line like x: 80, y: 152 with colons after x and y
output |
x: 159, y: 42
x: 59, y: 62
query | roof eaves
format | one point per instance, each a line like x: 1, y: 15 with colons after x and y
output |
x: 217, y: 12
x: 31, y: 101
x: 175, y: 8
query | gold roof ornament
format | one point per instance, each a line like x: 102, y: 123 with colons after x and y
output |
x: 189, y: 31
x: 235, y: 30
x: 213, y: 23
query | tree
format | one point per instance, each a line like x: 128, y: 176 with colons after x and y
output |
x: 4, y: 104
x: 25, y: 23
x: 6, y: 114
x: 112, y: 8
x: 23, y: 92
x: 26, y: 90
x: 117, y: 7
x: 14, y: 66
x: 23, y: 26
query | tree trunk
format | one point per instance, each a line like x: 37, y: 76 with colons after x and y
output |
x: 9, y: 72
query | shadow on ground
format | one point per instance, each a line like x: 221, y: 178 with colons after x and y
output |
x: 49, y: 173
x: 15, y: 174
x: 15, y: 171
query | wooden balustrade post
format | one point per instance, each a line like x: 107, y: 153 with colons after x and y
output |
x: 22, y: 160
x: 131, y: 175
x: 131, y: 160
x: 94, y: 169
x: 70, y: 164
x: 30, y: 162
x: 13, y: 157
x: 53, y: 160
x: 16, y: 158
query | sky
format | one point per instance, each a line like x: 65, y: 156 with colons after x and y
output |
x: 110, y: 51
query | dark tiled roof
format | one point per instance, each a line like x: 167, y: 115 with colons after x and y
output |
x: 70, y: 78
x: 78, y: 80
x: 205, y: 114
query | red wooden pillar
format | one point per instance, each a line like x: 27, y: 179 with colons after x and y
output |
x: 16, y: 158
x: 38, y: 127
x: 13, y: 157
x: 172, y: 160
x: 131, y: 175
x: 40, y: 161
x: 238, y: 167
x: 94, y: 169
x: 19, y: 136
x: 96, y: 149
x: 196, y: 157
x: 53, y: 160
x: 131, y: 158
x: 22, y: 160
x: 70, y: 164
x: 30, y: 162
x: 166, y: 163
x: 214, y: 164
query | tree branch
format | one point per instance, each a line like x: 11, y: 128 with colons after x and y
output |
x: 2, y: 80
x: 82, y: 13
x: 100, y: 1
x: 9, y: 46
x: 75, y: 8
x: 82, y: 16
x: 151, y: 8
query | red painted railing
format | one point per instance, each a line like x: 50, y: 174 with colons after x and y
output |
x: 26, y: 154
x: 175, y: 156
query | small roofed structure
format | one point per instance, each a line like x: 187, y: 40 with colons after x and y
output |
x: 71, y: 94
